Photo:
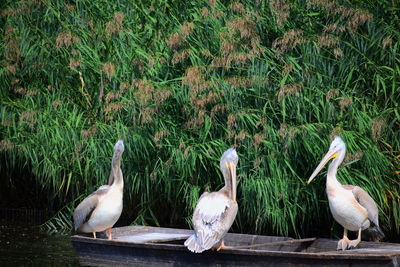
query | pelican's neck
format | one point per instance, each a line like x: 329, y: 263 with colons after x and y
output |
x: 331, y: 181
x: 116, y: 178
x: 229, y: 187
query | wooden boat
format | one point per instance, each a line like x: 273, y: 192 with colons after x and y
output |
x: 155, y: 246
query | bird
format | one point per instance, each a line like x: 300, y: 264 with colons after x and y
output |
x: 351, y: 206
x: 102, y: 209
x: 215, y: 212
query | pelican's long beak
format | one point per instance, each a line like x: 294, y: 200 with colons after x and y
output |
x: 330, y: 155
x: 232, y: 170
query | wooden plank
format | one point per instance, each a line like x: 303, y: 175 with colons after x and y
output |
x: 153, y: 237
x: 287, y: 242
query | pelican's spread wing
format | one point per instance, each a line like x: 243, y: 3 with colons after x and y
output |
x: 212, y: 218
x: 366, y: 201
x: 85, y: 209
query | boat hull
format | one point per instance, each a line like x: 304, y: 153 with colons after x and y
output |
x: 166, y: 251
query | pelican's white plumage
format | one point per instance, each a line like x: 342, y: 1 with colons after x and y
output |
x: 351, y: 206
x: 102, y: 209
x: 215, y: 212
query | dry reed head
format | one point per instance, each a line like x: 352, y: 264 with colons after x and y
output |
x: 174, y: 40
x: 147, y: 114
x: 327, y: 40
x: 376, y: 128
x: 118, y: 17
x: 186, y: 29
x: 180, y: 56
x: 160, y: 95
x: 11, y: 50
x: 89, y: 132
x: 289, y: 89
x: 197, y: 121
x: 333, y: 28
x: 205, y: 12
x: 345, y: 103
x: 286, y: 131
x: 108, y: 69
x: 115, y: 26
x: 20, y: 90
x: 337, y: 131
x: 144, y: 92
x: 123, y: 86
x: 289, y: 41
x: 217, y: 108
x: 357, y: 18
x: 257, y: 163
x: 331, y: 94
x: 212, y: 2
x: 244, y: 26
x: 56, y: 103
x: 69, y: 8
x: 238, y: 7
x: 74, y: 63
x: 218, y: 14
x: 337, y: 52
x: 231, y: 121
x: 241, y: 136
x: 65, y: 39
x: 6, y: 145
x: 387, y: 42
x: 112, y: 96
x: 239, y: 82
x: 353, y: 18
x: 257, y: 139
x: 353, y: 157
x: 11, y: 69
x: 159, y: 136
x: 28, y: 117
x: 113, y: 108
x: 282, y: 10
x: 75, y: 52
x: 287, y: 69
x: 206, y: 53
x: 32, y: 93
x: 195, y: 79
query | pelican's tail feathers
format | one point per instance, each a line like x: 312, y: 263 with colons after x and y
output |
x: 374, y: 232
x: 193, y: 245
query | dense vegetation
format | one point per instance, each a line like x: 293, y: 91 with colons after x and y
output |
x: 181, y: 81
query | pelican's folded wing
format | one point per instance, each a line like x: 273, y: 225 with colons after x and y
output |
x: 208, y: 219
x: 84, y: 210
x: 366, y: 201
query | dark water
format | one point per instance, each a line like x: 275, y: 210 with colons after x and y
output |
x: 28, y: 246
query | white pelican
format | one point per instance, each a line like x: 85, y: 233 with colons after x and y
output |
x: 350, y: 205
x: 216, y: 211
x: 101, y: 210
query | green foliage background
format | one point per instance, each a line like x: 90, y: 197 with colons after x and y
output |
x: 181, y: 81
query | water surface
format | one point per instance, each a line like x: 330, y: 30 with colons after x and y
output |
x: 28, y: 246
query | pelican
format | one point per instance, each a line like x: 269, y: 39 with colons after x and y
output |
x: 102, y: 209
x: 216, y: 211
x: 350, y: 205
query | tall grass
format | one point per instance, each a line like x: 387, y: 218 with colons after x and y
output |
x: 181, y: 82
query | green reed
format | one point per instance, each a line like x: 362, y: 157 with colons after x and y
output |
x: 180, y: 83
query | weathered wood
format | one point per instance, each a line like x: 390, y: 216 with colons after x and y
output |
x: 164, y: 247
x: 153, y: 237
x: 288, y: 242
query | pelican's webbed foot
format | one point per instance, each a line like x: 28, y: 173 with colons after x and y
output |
x: 353, y: 243
x: 222, y: 246
x: 343, y: 244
